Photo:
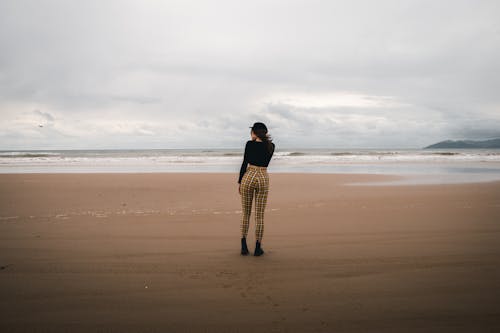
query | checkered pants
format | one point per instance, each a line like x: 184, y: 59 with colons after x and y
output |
x: 254, y: 181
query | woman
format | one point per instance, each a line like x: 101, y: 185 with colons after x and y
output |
x: 255, y: 180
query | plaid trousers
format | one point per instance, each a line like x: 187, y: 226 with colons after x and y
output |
x: 254, y: 181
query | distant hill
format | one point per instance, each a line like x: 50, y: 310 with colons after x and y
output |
x: 493, y: 143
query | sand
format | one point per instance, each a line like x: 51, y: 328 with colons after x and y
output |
x: 160, y: 253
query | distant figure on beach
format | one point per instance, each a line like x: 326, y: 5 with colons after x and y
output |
x: 255, y: 180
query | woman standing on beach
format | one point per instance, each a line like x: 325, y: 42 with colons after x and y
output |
x: 255, y: 180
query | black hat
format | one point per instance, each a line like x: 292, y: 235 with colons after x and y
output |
x: 258, y: 125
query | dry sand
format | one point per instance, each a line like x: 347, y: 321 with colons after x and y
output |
x: 160, y: 253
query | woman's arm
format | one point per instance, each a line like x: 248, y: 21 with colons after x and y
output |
x: 243, y: 168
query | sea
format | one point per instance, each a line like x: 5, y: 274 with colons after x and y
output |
x: 416, y: 166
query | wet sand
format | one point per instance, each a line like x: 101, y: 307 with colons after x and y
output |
x: 160, y: 253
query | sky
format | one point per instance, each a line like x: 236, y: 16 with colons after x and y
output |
x: 196, y: 74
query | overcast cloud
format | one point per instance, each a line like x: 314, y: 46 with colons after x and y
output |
x: 182, y: 74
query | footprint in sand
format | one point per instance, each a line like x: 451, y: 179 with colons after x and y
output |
x: 271, y: 301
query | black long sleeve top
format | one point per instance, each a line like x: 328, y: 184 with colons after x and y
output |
x: 256, y: 153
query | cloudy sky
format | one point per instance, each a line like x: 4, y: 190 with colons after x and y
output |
x: 184, y: 74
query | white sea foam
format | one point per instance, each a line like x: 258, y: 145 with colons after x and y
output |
x: 229, y: 156
x: 463, y: 163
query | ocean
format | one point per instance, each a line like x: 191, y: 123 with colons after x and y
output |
x: 423, y: 165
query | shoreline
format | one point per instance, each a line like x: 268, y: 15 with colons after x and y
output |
x: 367, y: 179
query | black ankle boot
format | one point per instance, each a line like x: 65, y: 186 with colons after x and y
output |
x: 244, y: 248
x: 258, y: 249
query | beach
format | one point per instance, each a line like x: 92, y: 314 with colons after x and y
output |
x: 159, y: 252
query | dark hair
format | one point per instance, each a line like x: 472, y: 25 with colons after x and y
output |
x: 262, y: 134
